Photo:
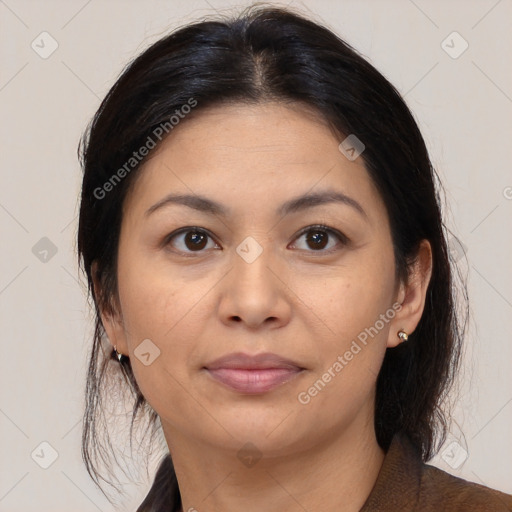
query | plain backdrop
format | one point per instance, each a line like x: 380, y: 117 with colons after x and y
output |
x: 461, y: 98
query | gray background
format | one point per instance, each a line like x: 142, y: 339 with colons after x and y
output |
x: 462, y: 102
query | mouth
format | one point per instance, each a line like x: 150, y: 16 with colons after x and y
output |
x: 253, y: 381
x: 248, y: 374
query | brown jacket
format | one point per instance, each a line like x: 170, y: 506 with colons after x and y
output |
x: 406, y: 484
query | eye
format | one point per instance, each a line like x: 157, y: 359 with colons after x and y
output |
x: 318, y: 238
x: 189, y: 239
x: 193, y: 239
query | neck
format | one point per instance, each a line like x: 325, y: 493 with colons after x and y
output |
x: 336, y: 474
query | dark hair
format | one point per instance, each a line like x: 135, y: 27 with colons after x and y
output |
x: 260, y: 55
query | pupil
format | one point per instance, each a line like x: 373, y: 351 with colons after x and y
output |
x: 317, y: 238
x: 195, y: 239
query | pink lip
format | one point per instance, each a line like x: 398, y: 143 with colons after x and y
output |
x: 253, y: 374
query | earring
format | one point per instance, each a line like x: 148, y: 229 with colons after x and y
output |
x: 403, y: 335
x: 118, y: 354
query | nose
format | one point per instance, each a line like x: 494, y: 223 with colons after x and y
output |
x: 254, y: 292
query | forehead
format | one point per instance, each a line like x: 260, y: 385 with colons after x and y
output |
x: 264, y: 153
x: 281, y: 129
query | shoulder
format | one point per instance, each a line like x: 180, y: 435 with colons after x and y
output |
x: 407, y: 484
x: 444, y: 491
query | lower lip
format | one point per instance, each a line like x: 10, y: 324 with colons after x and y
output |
x: 253, y: 381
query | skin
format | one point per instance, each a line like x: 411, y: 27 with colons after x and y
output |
x: 295, y: 300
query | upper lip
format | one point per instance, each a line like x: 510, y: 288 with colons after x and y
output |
x: 242, y: 361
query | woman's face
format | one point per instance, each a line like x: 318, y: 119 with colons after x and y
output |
x: 199, y: 282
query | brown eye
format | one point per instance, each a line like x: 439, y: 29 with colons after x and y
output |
x: 318, y: 238
x: 195, y: 241
x: 189, y: 240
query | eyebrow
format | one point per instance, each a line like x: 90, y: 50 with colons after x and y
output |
x: 303, y: 202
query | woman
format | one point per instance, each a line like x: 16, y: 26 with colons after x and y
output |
x: 261, y: 235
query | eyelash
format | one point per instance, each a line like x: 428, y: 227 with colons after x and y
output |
x: 315, y: 227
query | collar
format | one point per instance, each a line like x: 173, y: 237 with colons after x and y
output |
x: 398, y: 483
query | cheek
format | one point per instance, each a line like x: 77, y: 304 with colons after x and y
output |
x: 160, y: 308
x: 350, y: 351
x: 352, y: 311
x: 156, y: 297
x: 349, y: 299
x: 169, y: 305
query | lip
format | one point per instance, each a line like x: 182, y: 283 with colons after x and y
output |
x: 253, y: 374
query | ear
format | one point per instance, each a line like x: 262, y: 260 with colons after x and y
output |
x: 110, y: 314
x: 412, y: 295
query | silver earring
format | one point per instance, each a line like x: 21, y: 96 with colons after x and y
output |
x: 118, y: 354
x: 403, y: 335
